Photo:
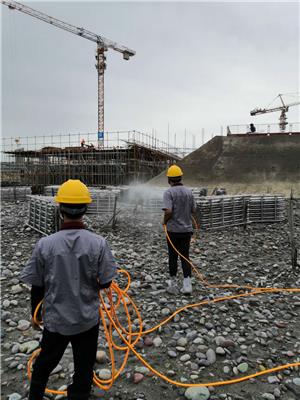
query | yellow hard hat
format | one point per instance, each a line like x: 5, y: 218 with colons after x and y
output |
x: 174, y: 172
x: 73, y: 191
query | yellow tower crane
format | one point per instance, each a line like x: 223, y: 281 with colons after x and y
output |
x: 103, y: 45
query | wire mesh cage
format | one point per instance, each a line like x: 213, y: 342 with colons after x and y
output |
x: 215, y: 212
x: 13, y: 193
x: 43, y: 214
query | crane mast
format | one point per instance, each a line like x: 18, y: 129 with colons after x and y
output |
x: 284, y: 109
x: 103, y: 44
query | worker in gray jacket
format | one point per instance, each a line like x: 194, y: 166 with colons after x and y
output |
x: 67, y: 269
x: 178, y: 206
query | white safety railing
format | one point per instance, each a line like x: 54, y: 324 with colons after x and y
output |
x: 291, y: 128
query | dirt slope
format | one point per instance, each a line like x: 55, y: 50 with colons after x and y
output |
x: 264, y: 164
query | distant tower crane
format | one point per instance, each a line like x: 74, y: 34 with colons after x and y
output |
x: 103, y: 45
x: 284, y: 109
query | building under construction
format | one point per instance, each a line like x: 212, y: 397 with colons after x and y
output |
x: 125, y: 157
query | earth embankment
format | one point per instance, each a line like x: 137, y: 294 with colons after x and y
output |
x: 252, y: 164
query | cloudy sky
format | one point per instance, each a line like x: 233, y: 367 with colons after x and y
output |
x: 198, y: 65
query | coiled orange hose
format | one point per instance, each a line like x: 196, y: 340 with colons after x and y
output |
x: 126, y: 335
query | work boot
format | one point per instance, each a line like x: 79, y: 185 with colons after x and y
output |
x: 36, y: 391
x: 187, y: 286
x: 77, y: 396
x: 172, y: 285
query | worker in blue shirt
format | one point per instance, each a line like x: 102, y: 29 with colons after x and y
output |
x: 67, y: 269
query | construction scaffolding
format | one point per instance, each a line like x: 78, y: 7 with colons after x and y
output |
x: 126, y: 157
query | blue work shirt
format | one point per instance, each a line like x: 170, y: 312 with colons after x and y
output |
x: 180, y: 201
x: 70, y: 264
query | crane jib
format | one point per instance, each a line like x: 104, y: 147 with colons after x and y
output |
x: 14, y: 5
x: 103, y: 44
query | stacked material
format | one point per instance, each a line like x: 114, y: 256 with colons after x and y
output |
x: 199, y: 192
x: 43, y: 214
x: 221, y: 211
x: 266, y: 208
x: 104, y: 199
x: 15, y: 193
x: 51, y: 190
x: 153, y: 206
x: 141, y: 198
x: 44, y: 211
x: 215, y: 212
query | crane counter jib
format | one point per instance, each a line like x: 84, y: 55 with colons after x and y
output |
x: 103, y: 44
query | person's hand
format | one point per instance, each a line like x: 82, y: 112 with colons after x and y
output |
x: 34, y: 325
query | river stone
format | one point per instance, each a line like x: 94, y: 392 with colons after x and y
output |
x: 220, y: 351
x: 23, y: 325
x: 219, y: 340
x: 140, y: 369
x: 29, y: 347
x: 296, y: 381
x: 243, y: 367
x: 211, y: 356
x: 101, y: 356
x: 157, y: 341
x: 182, y: 342
x: 197, y: 393
x: 268, y: 396
x: 148, y: 341
x: 277, y: 393
x: 185, y: 357
x: 15, y: 348
x: 273, y: 379
x: 6, y: 304
x: 16, y: 289
x: 104, y: 374
x: 172, y: 354
x: 137, y: 377
x: 14, y: 396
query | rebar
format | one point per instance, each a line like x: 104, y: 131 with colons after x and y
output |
x: 15, y: 193
x: 43, y: 214
x: 215, y: 212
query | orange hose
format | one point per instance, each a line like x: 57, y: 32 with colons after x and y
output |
x: 126, y: 334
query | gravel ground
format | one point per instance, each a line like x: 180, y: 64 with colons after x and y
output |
x: 215, y: 342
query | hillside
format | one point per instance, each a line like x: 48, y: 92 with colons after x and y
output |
x: 252, y: 164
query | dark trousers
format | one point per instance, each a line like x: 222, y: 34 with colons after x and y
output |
x: 53, y: 346
x: 181, y: 241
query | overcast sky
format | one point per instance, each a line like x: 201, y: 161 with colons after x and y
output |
x: 197, y: 65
